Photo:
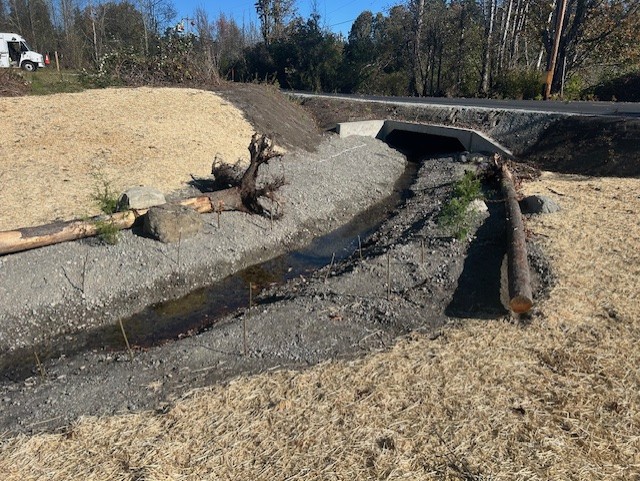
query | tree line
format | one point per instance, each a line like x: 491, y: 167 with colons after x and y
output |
x: 417, y: 47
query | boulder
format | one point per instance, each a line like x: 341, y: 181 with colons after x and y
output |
x: 170, y: 223
x: 140, y: 198
x: 538, y: 204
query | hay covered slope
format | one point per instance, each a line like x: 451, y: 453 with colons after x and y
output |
x: 557, y: 399
x: 55, y: 150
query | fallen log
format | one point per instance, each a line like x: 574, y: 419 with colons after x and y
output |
x: 31, y: 237
x: 520, y: 294
x: 243, y: 197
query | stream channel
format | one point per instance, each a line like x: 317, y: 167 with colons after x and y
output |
x: 203, y: 307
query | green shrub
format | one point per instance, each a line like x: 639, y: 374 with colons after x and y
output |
x: 455, y: 215
x: 573, y: 88
x: 519, y: 84
x: 104, y: 195
x: 107, y: 232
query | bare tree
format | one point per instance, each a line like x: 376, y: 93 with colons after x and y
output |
x: 274, y: 16
x: 156, y: 14
x: 489, y: 21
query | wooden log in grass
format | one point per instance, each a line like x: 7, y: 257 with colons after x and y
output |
x: 520, y: 294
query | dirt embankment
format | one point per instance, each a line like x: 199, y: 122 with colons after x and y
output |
x: 56, y: 151
x: 556, y: 142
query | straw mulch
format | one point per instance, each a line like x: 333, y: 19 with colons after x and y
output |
x: 56, y: 151
x: 558, y: 398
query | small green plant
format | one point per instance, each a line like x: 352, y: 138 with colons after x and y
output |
x: 107, y: 200
x: 455, y: 214
x: 104, y: 195
x: 107, y: 232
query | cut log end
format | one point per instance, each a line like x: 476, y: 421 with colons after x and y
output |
x: 521, y: 304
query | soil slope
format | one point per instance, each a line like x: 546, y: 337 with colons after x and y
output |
x: 56, y: 150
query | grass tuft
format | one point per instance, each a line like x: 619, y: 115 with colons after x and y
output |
x: 107, y: 232
x: 107, y: 200
x: 48, y: 81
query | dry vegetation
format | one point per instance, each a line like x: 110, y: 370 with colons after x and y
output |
x: 12, y: 84
x: 558, y: 398
x: 53, y: 147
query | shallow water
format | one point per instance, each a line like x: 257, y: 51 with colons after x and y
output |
x: 204, y: 307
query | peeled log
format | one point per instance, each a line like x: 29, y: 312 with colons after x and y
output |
x: 520, y: 294
x: 243, y: 197
x: 49, y: 234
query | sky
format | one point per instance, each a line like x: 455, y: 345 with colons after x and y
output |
x: 337, y: 15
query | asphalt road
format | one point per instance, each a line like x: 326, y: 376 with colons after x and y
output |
x: 615, y: 109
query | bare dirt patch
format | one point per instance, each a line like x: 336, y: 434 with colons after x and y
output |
x: 53, y: 147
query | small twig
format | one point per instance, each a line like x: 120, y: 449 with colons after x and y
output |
x: 71, y: 283
x: 388, y: 275
x: 219, y: 211
x: 556, y: 192
x: 44, y: 421
x: 179, y: 244
x: 43, y: 374
x: 126, y: 340
x: 421, y: 251
x: 360, y: 247
x: 456, y: 462
x: 244, y: 322
x: 84, y: 270
x: 333, y: 258
x: 271, y: 213
x: 374, y: 333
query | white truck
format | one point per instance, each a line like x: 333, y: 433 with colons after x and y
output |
x: 14, y: 52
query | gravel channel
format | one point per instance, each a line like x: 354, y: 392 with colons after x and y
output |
x: 409, y: 275
x: 62, y: 289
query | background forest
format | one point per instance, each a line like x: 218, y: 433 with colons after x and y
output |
x: 467, y: 48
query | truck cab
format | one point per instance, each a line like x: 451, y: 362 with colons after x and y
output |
x: 14, y: 52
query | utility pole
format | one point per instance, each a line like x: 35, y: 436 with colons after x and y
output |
x: 554, y: 53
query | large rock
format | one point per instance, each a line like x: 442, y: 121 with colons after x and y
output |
x: 538, y: 204
x: 171, y: 222
x: 140, y: 198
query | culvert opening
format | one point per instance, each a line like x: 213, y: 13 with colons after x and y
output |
x: 419, y: 145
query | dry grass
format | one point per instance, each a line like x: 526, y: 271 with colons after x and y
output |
x: 52, y: 147
x: 557, y: 399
